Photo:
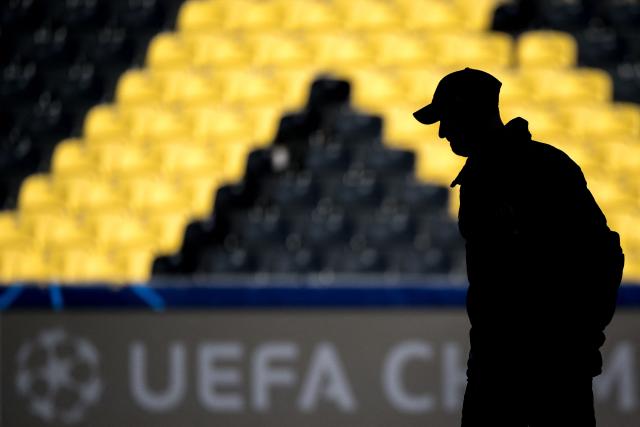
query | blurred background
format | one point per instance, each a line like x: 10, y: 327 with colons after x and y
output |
x: 234, y: 156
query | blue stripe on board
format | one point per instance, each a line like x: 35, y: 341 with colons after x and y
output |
x: 149, y: 296
x: 9, y: 296
x: 57, y: 303
x: 58, y: 297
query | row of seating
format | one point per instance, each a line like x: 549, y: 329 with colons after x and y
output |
x: 319, y: 15
x: 339, y: 49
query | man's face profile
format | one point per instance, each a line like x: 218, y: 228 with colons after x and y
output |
x: 456, y: 125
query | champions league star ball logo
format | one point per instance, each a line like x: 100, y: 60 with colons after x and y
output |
x: 58, y: 375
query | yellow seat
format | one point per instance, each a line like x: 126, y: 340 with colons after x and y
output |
x: 81, y: 264
x: 431, y: 15
x: 380, y: 15
x: 37, y: 194
x: 19, y: 264
x: 87, y: 193
x: 547, y: 49
x: 420, y: 83
x: 337, y: 50
x: 119, y: 158
x: 199, y: 15
x: 399, y: 49
x: 607, y: 192
x: 179, y: 158
x: 603, y: 121
x: 622, y: 155
x: 265, y: 119
x: 310, y: 15
x: 136, y: 87
x: 10, y: 232
x: 168, y: 50
x: 436, y: 163
x: 581, y: 85
x: 476, y: 50
x: 51, y: 229
x: 402, y: 130
x: 71, y: 158
x: 476, y: 15
x: 234, y: 160
x: 151, y: 193
x: 105, y: 122
x: 158, y: 123
x: 200, y: 191
x: 219, y: 124
x: 249, y: 87
x: 252, y: 15
x: 219, y: 50
x: 278, y: 49
x: 515, y: 88
x: 375, y: 88
x: 295, y: 83
x: 543, y: 121
x: 133, y: 264
x: 116, y: 230
x: 168, y: 229
x: 190, y: 88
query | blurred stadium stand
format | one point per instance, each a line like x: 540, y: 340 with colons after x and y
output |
x: 160, y: 139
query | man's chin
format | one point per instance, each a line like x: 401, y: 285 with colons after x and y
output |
x: 458, y: 150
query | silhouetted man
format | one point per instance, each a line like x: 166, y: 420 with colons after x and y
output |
x: 543, y: 266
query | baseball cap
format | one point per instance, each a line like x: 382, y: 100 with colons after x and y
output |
x: 471, y: 87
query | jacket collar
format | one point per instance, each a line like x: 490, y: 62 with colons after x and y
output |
x: 515, y: 131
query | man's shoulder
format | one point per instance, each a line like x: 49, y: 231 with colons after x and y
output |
x: 552, y: 160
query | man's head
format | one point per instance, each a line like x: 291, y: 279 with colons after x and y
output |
x: 466, y: 105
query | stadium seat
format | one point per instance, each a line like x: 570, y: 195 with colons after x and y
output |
x: 601, y: 122
x: 199, y: 191
x: 484, y: 50
x: 398, y: 48
x: 338, y: 50
x: 252, y: 15
x: 71, y: 157
x: 117, y: 230
x: 277, y: 50
x: 199, y: 16
x: 133, y: 265
x: 219, y: 124
x: 546, y: 49
x: 168, y: 50
x: 219, y: 50
x: 431, y: 15
x: 19, y: 265
x: 52, y: 229
x: 116, y: 158
x: 190, y: 88
x: 248, y: 87
x: 37, y: 194
x: 104, y: 122
x: 81, y: 264
x: 85, y: 194
x: 157, y: 123
x: 582, y: 85
x: 374, y: 88
x: 137, y: 87
x: 310, y: 15
x: 149, y: 193
x: 381, y: 15
x: 167, y: 227
x: 598, y: 47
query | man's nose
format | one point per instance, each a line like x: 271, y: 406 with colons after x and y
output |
x: 442, y: 130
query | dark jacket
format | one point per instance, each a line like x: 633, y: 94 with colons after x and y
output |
x: 543, y: 266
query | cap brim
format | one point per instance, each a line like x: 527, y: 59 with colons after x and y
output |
x: 427, y: 115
